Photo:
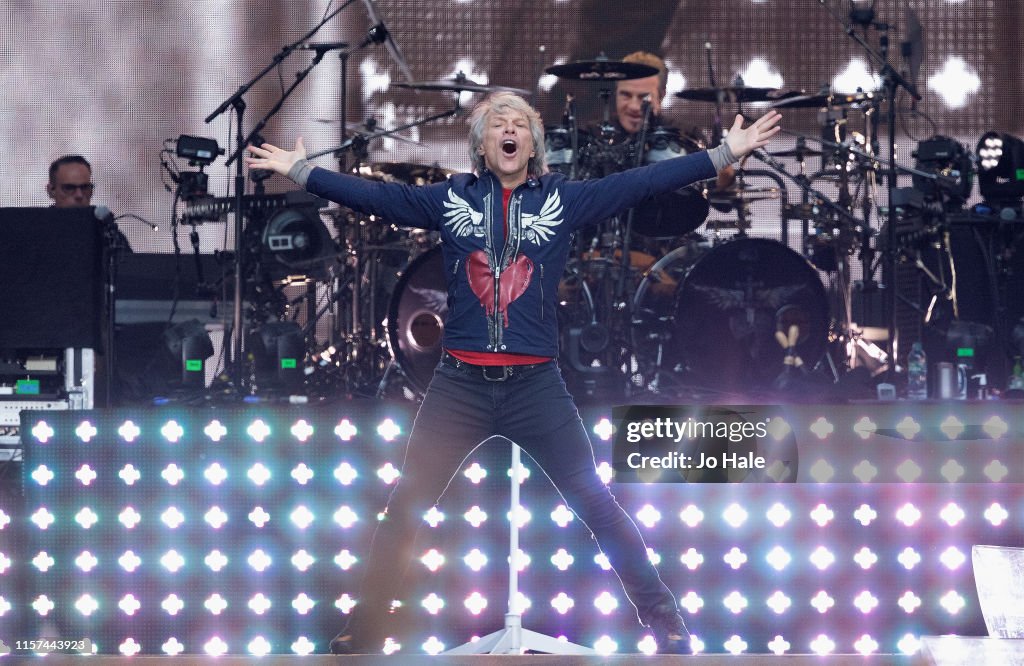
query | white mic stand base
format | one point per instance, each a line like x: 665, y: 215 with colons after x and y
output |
x: 513, y: 639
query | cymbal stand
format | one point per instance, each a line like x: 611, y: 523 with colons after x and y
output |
x: 892, y: 82
x: 809, y: 194
x: 619, y: 295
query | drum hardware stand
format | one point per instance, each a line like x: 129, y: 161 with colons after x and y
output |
x: 361, y: 342
x: 627, y: 258
x: 892, y: 81
x: 809, y: 194
x: 716, y: 122
x: 569, y: 121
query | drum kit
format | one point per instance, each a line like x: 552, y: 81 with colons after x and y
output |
x: 652, y: 306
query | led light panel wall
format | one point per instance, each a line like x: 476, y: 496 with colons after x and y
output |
x: 245, y: 531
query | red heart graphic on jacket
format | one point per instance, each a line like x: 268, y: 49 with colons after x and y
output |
x: 514, y: 281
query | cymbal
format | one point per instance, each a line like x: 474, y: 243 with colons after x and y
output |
x: 602, y: 70
x: 361, y: 128
x: 403, y: 172
x: 817, y: 101
x: 730, y: 94
x: 737, y: 194
x: 459, y: 83
x: 798, y: 152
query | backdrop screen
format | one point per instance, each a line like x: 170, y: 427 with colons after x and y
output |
x: 113, y: 81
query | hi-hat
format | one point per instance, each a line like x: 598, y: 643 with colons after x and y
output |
x: 818, y: 101
x: 730, y: 94
x: 602, y: 70
x: 403, y: 172
x: 459, y: 83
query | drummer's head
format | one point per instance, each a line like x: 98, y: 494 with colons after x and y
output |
x: 502, y: 103
x: 630, y: 94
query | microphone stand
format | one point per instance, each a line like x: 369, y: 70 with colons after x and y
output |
x: 237, y: 102
x: 892, y: 82
x: 716, y: 123
x: 641, y: 139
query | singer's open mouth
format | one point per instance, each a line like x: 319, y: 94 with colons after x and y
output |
x: 508, y: 146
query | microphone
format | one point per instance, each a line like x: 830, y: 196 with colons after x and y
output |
x: 323, y: 47
x: 569, y: 113
x: 106, y: 216
x: 768, y: 159
x: 376, y: 34
x: 103, y: 214
x: 711, y: 68
x: 392, y: 47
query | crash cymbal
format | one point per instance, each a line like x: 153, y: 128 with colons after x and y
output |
x: 818, y: 101
x: 364, y: 130
x: 403, y: 172
x: 459, y: 83
x: 798, y: 152
x: 602, y: 70
x: 730, y: 94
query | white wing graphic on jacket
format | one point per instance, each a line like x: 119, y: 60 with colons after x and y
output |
x: 463, y: 220
x: 540, y: 228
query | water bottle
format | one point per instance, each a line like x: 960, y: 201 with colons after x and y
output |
x: 917, y: 373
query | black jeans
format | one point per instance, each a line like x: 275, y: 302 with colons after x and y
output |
x: 532, y: 408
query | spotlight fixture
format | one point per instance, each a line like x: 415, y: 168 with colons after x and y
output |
x: 198, y: 150
x: 296, y: 244
x: 189, y: 342
x: 1001, y: 168
x: 950, y: 162
x: 280, y: 350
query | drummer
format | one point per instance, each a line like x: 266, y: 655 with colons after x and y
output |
x: 630, y: 95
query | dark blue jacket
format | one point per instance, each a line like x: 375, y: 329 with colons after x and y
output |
x: 502, y: 291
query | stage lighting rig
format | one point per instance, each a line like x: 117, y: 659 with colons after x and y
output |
x: 296, y: 246
x: 1001, y: 168
x: 950, y: 162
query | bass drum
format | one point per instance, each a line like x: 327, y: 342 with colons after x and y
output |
x: 726, y: 305
x: 416, y: 315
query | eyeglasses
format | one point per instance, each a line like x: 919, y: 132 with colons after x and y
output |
x: 70, y: 188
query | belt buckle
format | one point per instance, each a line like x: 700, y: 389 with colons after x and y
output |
x: 506, y: 372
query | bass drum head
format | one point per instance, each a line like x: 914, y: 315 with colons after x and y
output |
x: 731, y: 303
x: 416, y: 315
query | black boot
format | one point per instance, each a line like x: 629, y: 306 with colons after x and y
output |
x: 670, y: 632
x: 342, y: 644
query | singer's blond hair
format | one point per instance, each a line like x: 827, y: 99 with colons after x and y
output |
x: 506, y: 102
